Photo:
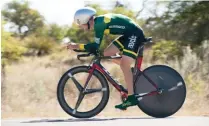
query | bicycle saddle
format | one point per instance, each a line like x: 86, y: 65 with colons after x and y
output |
x: 148, y: 40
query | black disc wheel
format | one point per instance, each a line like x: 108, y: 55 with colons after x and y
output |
x: 173, y: 94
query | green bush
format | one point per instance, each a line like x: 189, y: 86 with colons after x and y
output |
x: 166, y: 50
x: 11, y: 51
x: 11, y: 48
x: 40, y: 45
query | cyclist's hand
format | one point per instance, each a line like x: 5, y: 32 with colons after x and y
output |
x: 72, y: 46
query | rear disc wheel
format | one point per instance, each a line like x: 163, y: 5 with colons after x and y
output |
x: 173, y: 91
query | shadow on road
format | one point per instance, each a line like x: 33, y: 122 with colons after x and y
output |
x: 90, y: 119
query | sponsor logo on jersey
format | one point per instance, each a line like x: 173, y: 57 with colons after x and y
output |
x: 132, y: 41
x: 117, y: 26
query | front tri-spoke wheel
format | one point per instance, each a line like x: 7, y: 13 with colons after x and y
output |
x: 79, y: 98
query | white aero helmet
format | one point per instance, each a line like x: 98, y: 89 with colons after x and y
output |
x: 83, y: 15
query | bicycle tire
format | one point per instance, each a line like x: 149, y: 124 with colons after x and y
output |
x: 167, y: 103
x: 67, y: 108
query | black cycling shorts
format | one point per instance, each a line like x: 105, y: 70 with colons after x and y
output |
x: 129, y: 43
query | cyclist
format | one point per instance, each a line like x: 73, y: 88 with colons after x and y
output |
x: 131, y: 35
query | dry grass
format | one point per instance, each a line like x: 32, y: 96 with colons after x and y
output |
x: 30, y: 86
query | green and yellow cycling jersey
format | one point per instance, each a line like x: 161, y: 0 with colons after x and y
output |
x: 115, y: 24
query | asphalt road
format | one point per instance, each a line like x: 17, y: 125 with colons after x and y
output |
x: 113, y: 121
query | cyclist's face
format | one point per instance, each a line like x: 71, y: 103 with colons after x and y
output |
x: 85, y: 26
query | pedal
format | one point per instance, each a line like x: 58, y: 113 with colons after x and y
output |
x: 123, y: 97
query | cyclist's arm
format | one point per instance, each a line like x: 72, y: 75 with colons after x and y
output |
x: 89, y: 47
x: 92, y: 47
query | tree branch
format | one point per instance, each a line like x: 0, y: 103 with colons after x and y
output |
x: 143, y: 6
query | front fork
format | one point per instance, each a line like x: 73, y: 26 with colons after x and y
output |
x: 90, y: 71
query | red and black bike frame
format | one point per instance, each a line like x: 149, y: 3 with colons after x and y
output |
x: 137, y: 72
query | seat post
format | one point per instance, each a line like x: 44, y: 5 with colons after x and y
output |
x: 140, y: 52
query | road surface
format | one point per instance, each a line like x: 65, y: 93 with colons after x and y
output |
x: 113, y: 121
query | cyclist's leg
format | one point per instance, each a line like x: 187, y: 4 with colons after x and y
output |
x: 115, y: 47
x: 125, y: 65
x: 131, y: 46
x: 111, y: 50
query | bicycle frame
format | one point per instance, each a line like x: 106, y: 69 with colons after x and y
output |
x: 96, y: 65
